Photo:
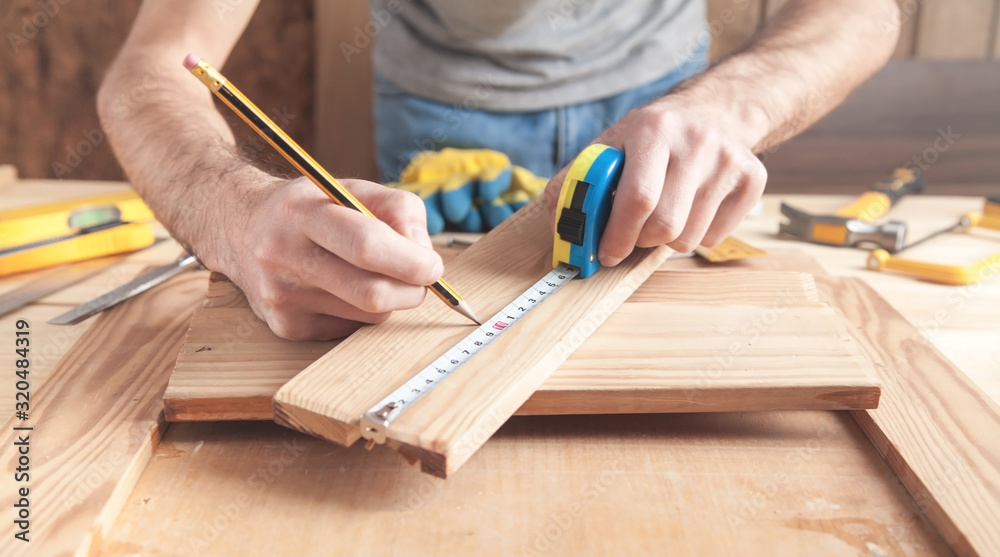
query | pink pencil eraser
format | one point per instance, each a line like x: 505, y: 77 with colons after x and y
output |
x: 191, y: 61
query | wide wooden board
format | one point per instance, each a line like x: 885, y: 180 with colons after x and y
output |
x: 446, y: 427
x: 762, y: 483
x: 96, y: 417
x: 641, y: 360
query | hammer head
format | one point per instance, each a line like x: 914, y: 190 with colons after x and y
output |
x: 841, y: 231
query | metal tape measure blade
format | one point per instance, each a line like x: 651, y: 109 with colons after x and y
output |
x: 375, y: 423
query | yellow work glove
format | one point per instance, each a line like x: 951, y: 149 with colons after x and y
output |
x: 473, y: 190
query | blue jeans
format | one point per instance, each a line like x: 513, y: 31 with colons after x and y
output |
x: 542, y: 141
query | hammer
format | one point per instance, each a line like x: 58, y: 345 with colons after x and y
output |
x: 852, y: 224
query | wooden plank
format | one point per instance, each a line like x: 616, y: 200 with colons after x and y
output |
x: 8, y: 175
x: 731, y: 23
x: 446, y: 427
x: 51, y: 342
x: 936, y: 430
x: 768, y: 483
x: 996, y: 35
x: 909, y: 15
x: 231, y: 365
x: 97, y: 417
x: 345, y: 126
x: 712, y: 362
x: 756, y: 475
x: 950, y: 30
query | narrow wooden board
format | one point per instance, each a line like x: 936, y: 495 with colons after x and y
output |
x: 938, y: 432
x: 8, y: 175
x: 909, y: 15
x: 447, y: 426
x: 97, y: 418
x: 731, y: 24
x: 949, y: 30
x: 996, y: 35
x: 343, y: 88
x: 231, y: 364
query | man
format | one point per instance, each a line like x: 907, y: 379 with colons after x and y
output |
x: 549, y: 75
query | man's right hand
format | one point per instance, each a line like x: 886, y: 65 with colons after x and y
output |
x: 310, y: 268
x: 315, y: 270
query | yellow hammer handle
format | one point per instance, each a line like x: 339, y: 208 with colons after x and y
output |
x: 867, y: 207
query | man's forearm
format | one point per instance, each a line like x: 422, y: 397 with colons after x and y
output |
x: 802, y: 64
x: 174, y: 146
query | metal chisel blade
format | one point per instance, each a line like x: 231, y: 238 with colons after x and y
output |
x: 54, y: 280
x: 132, y: 288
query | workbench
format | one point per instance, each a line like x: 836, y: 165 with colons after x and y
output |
x: 118, y: 481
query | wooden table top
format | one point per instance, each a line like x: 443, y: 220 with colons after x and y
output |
x: 739, y: 483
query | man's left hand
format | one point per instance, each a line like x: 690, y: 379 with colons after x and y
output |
x: 689, y: 178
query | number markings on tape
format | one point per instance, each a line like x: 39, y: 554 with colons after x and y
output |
x: 375, y: 423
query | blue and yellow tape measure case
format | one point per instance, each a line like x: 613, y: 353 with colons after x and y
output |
x: 585, y: 206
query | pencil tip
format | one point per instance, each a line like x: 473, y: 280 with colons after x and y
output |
x: 465, y: 310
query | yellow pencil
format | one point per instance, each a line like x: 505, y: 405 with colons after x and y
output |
x: 278, y: 139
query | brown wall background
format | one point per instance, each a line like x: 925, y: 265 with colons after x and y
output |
x: 50, y: 80
x: 47, y: 109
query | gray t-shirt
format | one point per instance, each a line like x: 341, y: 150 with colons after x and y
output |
x: 524, y: 55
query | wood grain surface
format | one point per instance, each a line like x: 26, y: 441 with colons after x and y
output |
x: 766, y: 483
x: 669, y: 348
x: 445, y: 428
x: 97, y: 418
x: 795, y: 483
x: 936, y: 430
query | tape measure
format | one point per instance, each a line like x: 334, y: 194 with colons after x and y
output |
x: 583, y: 211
